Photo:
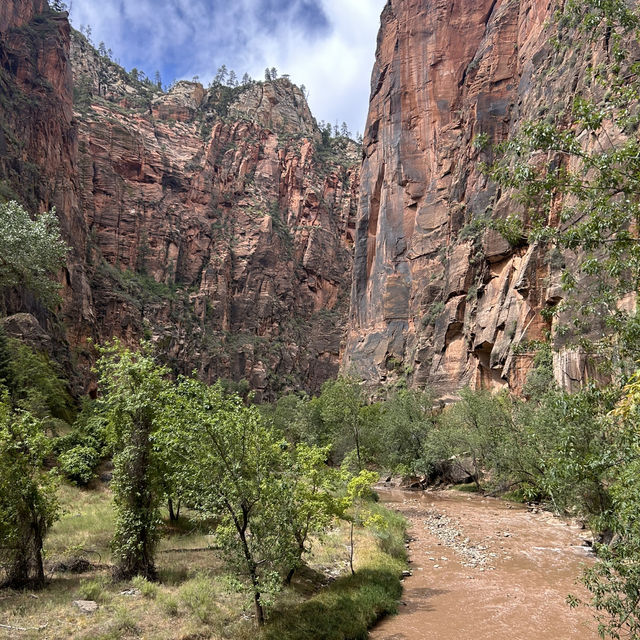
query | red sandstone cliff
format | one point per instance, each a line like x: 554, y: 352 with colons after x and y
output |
x: 434, y: 295
x: 213, y: 222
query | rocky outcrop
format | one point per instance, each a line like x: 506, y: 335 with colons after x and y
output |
x: 220, y: 227
x: 216, y: 223
x: 437, y: 296
x: 38, y: 139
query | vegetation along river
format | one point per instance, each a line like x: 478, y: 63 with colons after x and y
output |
x: 487, y: 569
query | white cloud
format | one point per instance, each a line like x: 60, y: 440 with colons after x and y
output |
x: 183, y: 38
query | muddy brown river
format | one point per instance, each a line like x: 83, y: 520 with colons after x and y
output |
x: 485, y: 569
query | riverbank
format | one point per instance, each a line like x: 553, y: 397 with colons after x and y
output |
x: 487, y: 569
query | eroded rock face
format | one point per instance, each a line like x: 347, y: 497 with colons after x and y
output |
x: 213, y: 222
x: 435, y: 295
x: 38, y: 139
x: 215, y: 226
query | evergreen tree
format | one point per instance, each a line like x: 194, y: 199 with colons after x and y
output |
x: 221, y: 75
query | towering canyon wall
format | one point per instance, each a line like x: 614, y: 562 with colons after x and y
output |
x: 437, y: 296
x: 216, y: 223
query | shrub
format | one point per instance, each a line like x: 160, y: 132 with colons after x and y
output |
x: 78, y: 463
x: 146, y: 588
x: 93, y: 589
x: 169, y: 604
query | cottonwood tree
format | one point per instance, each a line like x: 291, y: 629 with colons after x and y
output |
x: 135, y: 390
x: 312, y: 502
x: 31, y: 252
x: 340, y: 404
x: 28, y: 503
x: 231, y: 469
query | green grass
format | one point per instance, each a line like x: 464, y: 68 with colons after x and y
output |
x: 85, y: 528
x: 470, y: 487
x: 352, y: 604
x: 197, y: 596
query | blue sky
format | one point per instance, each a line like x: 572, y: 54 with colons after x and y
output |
x: 327, y: 45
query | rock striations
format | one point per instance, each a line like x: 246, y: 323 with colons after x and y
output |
x: 436, y: 296
x: 217, y: 223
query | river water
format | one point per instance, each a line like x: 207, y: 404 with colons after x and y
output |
x: 485, y: 569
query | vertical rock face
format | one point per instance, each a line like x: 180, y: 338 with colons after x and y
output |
x: 38, y: 141
x: 435, y: 295
x: 217, y: 223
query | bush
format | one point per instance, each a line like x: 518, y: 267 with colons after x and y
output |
x: 81, y: 450
x: 93, y: 589
x: 78, y: 463
x: 169, y: 604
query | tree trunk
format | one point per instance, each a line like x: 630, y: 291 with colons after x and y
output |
x: 353, y: 573
x: 253, y: 573
x: 27, y: 568
x: 289, y: 577
x: 291, y: 573
x: 258, y: 605
x: 136, y: 538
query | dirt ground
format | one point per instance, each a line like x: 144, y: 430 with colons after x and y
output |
x: 486, y: 569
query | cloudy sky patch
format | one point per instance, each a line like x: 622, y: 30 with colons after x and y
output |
x: 327, y: 45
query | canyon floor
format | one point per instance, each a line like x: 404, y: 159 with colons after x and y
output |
x: 487, y: 569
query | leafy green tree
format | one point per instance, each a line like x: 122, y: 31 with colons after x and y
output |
x: 475, y: 428
x: 134, y: 388
x: 614, y: 580
x: 340, y: 404
x: 31, y: 252
x: 405, y: 421
x: 28, y: 504
x: 291, y: 416
x: 312, y: 502
x: 358, y: 496
x: 576, y: 176
x: 232, y: 470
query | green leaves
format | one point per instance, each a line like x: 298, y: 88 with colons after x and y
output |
x: 28, y: 504
x: 578, y: 177
x: 135, y: 387
x: 31, y: 252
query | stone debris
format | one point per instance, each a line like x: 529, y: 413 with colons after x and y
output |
x: 450, y: 535
x: 86, y: 606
